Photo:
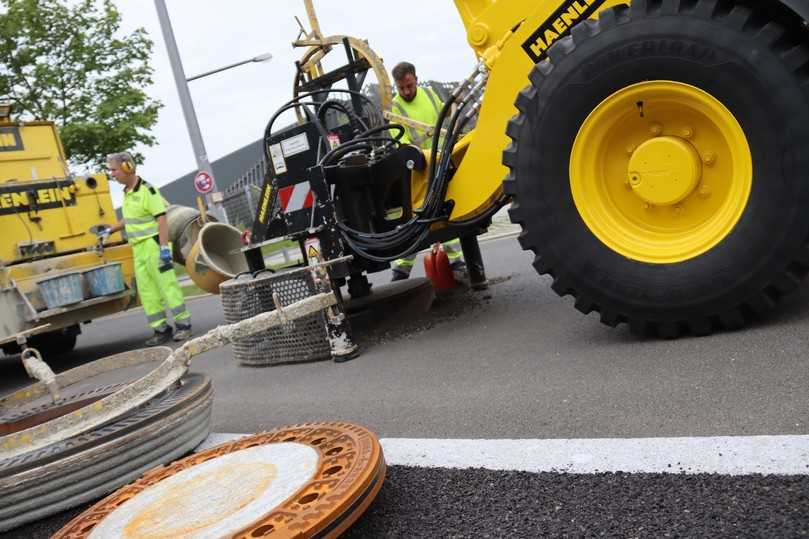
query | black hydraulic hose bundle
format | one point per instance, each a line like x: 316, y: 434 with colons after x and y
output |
x: 407, y: 238
x: 356, y: 121
x: 387, y: 246
x: 296, y: 103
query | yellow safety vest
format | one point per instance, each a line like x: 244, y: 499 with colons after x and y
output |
x: 424, y: 108
x: 142, y: 206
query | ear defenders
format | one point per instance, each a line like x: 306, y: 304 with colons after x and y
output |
x: 127, y: 167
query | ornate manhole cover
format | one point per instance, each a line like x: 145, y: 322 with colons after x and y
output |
x: 310, y: 480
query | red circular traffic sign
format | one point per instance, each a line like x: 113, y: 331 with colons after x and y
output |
x: 203, y: 182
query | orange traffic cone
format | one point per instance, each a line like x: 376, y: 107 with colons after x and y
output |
x: 437, y: 269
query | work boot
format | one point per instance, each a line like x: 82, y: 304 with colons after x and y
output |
x: 159, y: 337
x: 182, y: 332
x: 398, y: 275
x: 460, y: 272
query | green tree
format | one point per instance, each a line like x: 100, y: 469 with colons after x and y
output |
x: 65, y: 61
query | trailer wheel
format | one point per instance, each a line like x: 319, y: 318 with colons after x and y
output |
x: 659, y: 167
x: 52, y: 343
x: 55, y: 343
x: 11, y: 349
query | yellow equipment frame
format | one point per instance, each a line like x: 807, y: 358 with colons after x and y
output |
x: 509, y: 36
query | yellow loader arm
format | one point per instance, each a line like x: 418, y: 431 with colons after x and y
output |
x: 510, y: 37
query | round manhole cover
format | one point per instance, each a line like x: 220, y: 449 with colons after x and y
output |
x: 310, y: 480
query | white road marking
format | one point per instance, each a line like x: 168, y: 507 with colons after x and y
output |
x: 727, y: 455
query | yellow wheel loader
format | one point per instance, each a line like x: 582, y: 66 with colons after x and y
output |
x: 655, y: 154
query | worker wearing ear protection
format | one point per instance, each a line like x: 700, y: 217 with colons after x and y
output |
x: 144, y: 220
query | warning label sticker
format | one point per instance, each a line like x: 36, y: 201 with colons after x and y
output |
x: 279, y: 164
x: 312, y: 247
x: 295, y: 145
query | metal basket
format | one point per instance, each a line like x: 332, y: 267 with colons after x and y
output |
x: 302, y: 339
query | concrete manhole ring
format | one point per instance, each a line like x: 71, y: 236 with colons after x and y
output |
x: 30, y: 415
x: 311, y: 480
x: 80, y: 387
x: 95, y: 463
x: 73, y: 470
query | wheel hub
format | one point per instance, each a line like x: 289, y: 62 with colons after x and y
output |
x: 661, y: 171
x: 665, y: 170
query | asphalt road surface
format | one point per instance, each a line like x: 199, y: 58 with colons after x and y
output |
x: 517, y: 362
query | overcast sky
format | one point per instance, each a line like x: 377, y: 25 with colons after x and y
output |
x: 234, y: 106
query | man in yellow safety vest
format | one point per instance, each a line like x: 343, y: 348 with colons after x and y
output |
x: 144, y: 220
x: 423, y: 105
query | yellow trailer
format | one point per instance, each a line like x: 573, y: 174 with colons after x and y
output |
x: 54, y: 275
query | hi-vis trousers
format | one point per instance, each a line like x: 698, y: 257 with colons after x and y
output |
x: 157, y: 290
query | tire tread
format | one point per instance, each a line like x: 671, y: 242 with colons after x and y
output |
x: 739, y: 16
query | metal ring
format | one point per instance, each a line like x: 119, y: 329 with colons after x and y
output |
x: 31, y: 352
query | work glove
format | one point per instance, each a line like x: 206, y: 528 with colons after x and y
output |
x: 165, y: 254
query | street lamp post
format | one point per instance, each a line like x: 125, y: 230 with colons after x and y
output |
x: 260, y: 58
x: 203, y: 165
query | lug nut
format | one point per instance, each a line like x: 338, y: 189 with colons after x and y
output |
x: 704, y: 191
x: 656, y: 129
x: 687, y: 132
x: 630, y: 149
x: 709, y: 158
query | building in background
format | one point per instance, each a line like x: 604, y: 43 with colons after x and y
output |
x: 238, y: 175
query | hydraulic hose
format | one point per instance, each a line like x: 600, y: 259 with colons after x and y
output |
x: 370, y: 244
x: 406, y: 238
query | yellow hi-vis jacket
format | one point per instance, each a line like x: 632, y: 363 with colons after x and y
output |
x: 424, y: 108
x: 142, y: 206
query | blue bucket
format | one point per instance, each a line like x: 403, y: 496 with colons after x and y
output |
x: 105, y: 280
x: 61, y: 290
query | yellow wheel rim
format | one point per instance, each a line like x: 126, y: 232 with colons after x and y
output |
x: 661, y: 172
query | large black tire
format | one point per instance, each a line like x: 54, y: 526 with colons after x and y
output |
x: 758, y: 67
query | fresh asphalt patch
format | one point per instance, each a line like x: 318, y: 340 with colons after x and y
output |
x: 444, y: 502
x: 440, y: 502
x: 394, y: 323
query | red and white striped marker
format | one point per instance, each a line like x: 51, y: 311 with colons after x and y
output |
x: 296, y: 197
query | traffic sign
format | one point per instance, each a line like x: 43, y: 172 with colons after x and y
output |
x: 203, y: 182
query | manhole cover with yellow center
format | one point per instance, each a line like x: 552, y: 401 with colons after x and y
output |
x: 310, y: 480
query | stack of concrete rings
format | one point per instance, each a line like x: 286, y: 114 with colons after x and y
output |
x: 81, y: 468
